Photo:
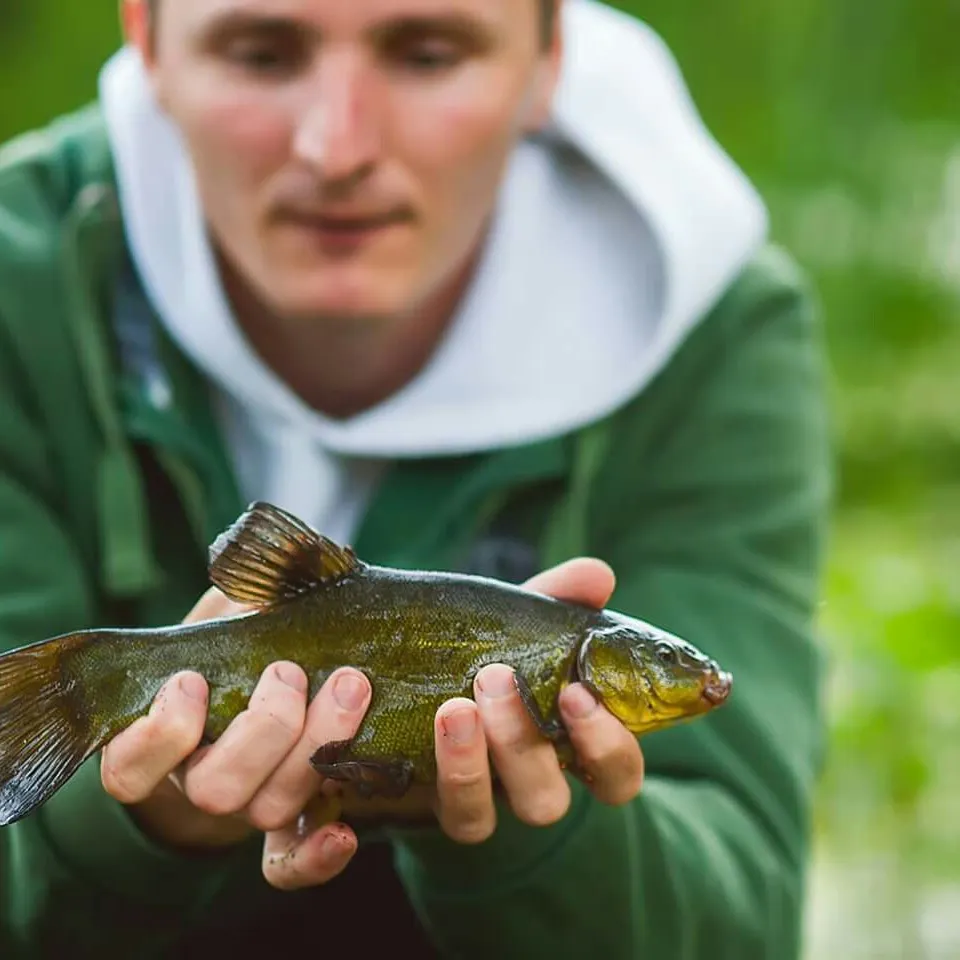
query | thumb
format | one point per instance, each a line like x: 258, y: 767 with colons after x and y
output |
x: 581, y: 580
x: 213, y: 605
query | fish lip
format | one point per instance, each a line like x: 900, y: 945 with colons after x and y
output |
x: 717, y: 691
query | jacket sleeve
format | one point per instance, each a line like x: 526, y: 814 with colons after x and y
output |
x: 76, y: 877
x: 710, y: 506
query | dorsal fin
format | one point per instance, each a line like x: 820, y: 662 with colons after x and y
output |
x: 268, y: 556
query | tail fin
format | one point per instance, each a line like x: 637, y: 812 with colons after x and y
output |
x: 44, y: 738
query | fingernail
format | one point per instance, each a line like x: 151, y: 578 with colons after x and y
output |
x: 461, y: 725
x: 350, y: 691
x: 292, y: 676
x: 496, y: 682
x: 194, y: 686
x: 578, y: 703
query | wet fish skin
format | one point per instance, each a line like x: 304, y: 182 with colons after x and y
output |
x: 420, y: 637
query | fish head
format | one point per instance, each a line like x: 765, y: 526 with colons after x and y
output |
x: 647, y: 678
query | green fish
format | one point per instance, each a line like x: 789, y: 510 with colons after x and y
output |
x: 419, y: 636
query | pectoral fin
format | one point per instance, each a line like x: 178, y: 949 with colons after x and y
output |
x: 268, y: 556
x: 552, y: 729
x: 369, y: 777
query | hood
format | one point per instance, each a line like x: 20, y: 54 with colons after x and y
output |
x: 614, y: 233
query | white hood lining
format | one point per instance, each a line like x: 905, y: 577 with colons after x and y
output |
x: 613, y: 235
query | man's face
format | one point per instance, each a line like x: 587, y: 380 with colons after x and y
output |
x: 348, y: 154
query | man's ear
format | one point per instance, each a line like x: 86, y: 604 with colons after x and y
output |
x: 137, y: 29
x: 547, y: 75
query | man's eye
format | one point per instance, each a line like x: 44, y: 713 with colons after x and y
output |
x: 430, y: 57
x: 266, y: 59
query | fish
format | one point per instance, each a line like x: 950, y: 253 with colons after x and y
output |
x: 420, y: 636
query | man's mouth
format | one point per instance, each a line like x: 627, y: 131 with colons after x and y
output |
x: 344, y: 232
x: 346, y: 222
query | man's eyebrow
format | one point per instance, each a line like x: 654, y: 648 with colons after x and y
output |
x: 457, y: 25
x: 243, y: 21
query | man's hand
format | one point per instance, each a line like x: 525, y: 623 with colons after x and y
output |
x: 525, y: 761
x: 256, y: 777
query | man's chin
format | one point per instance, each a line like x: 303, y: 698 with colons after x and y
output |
x: 363, y: 302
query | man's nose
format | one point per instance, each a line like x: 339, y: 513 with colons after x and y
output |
x: 338, y: 132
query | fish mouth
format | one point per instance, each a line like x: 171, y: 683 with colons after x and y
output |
x: 717, y: 689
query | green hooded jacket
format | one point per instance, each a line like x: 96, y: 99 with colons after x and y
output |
x: 708, y: 494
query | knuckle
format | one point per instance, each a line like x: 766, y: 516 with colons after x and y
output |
x: 600, y: 760
x: 617, y: 776
x: 609, y: 746
x: 472, y: 831
x: 215, y: 800
x: 268, y: 813
x: 626, y: 790
x: 326, y: 725
x: 179, y: 732
x: 268, y: 821
x: 513, y: 741
x: 286, y: 723
x: 464, y: 780
x: 510, y: 734
x: 172, y: 731
x: 148, y: 733
x: 544, y: 808
x: 621, y: 764
x: 124, y: 786
x: 277, y: 724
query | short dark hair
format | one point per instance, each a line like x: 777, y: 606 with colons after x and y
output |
x: 548, y: 12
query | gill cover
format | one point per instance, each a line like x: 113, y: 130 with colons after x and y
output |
x: 648, y: 678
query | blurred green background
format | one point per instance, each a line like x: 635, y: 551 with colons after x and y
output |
x: 847, y: 116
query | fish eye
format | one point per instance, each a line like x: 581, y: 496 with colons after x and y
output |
x: 667, y: 654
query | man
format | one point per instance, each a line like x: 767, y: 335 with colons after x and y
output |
x: 466, y: 284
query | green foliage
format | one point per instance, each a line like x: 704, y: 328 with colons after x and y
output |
x: 847, y: 116
x: 50, y: 54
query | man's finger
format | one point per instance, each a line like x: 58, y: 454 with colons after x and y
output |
x: 608, y: 753
x: 292, y: 862
x: 581, y: 580
x: 137, y: 760
x: 526, y: 762
x: 227, y: 776
x: 464, y: 789
x: 335, y: 714
x: 213, y: 605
